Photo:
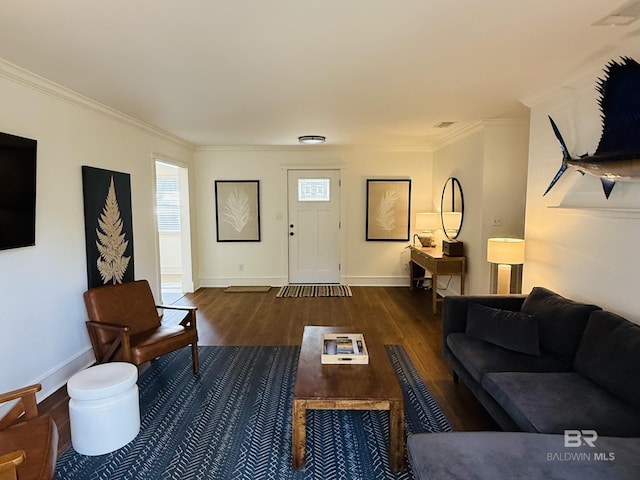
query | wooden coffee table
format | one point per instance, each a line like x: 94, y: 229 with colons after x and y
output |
x: 346, y: 387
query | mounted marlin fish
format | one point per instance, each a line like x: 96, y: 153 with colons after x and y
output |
x: 618, y: 154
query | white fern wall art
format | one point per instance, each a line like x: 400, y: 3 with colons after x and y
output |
x: 385, y: 214
x: 388, y: 207
x: 237, y: 212
x: 111, y: 242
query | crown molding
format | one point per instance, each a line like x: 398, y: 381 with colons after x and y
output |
x: 458, y: 135
x: 40, y: 84
x: 476, y: 127
x: 316, y: 148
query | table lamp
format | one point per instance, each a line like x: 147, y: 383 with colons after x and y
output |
x: 451, y: 222
x: 505, y: 252
x: 426, y: 224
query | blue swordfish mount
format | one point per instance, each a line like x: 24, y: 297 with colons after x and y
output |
x: 618, y: 154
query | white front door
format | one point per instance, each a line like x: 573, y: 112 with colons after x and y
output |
x: 314, y: 226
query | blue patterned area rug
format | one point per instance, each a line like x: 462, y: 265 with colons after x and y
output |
x: 233, y: 422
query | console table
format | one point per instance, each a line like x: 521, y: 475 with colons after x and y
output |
x: 433, y: 260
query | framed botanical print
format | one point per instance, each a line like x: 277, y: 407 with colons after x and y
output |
x: 237, y: 210
x: 388, y: 209
x: 108, y: 226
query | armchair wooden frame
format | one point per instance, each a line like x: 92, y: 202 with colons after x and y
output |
x: 140, y: 336
x: 24, y: 411
x: 123, y: 338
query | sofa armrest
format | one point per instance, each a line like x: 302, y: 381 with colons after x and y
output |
x: 454, y: 310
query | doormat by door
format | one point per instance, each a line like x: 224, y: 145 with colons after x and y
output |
x: 247, y: 289
x: 314, y: 291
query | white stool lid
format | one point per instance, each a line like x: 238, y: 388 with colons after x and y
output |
x: 102, y: 381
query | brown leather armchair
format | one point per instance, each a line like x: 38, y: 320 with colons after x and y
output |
x: 124, y: 325
x: 28, y: 443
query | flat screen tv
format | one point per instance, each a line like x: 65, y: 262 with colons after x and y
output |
x: 17, y: 191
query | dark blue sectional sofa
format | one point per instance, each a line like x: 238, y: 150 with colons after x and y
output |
x: 542, y: 363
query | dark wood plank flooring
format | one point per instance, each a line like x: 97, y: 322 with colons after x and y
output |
x: 397, y: 315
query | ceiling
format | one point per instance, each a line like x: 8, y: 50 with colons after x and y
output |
x: 263, y: 72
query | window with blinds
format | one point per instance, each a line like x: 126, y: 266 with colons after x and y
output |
x: 168, y: 204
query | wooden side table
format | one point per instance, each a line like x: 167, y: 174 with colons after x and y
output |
x: 433, y: 260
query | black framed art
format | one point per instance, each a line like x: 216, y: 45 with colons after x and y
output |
x: 237, y: 210
x: 108, y: 226
x: 388, y: 209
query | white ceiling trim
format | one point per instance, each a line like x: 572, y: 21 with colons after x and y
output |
x: 35, y: 82
x: 316, y: 148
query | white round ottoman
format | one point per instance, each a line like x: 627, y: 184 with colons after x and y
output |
x: 104, y: 408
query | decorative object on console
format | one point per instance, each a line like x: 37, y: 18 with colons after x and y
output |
x: 617, y: 156
x: 426, y: 224
x: 388, y: 209
x: 505, y: 252
x: 108, y: 226
x: 452, y: 208
x: 452, y: 248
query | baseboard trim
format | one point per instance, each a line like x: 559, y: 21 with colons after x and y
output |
x: 356, y: 281
x: 223, y: 282
x: 59, y: 375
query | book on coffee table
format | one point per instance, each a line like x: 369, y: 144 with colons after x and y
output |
x: 344, y: 348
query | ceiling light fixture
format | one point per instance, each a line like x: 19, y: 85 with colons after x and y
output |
x: 312, y: 139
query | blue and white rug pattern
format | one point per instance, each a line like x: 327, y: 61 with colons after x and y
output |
x: 233, y: 421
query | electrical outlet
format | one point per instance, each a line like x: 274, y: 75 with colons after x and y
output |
x: 496, y: 221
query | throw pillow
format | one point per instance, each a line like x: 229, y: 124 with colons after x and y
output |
x: 609, y: 355
x: 515, y: 331
x: 562, y: 321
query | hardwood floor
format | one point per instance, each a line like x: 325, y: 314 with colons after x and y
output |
x: 397, y: 315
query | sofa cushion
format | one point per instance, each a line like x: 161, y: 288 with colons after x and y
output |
x: 562, y: 321
x: 518, y: 456
x: 479, y: 357
x: 555, y: 402
x: 515, y: 331
x: 609, y: 355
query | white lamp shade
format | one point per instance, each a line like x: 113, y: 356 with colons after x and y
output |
x: 509, y: 251
x: 427, y: 221
x: 452, y: 221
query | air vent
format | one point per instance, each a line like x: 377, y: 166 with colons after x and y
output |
x: 444, y: 124
x: 626, y: 14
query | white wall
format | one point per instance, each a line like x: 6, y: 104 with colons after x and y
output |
x: 265, y: 262
x: 587, y: 250
x: 490, y: 161
x: 44, y: 338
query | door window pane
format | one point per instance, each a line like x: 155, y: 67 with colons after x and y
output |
x: 314, y: 190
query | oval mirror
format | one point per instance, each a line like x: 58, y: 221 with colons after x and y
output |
x: 452, y: 208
